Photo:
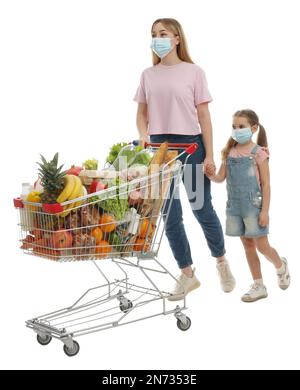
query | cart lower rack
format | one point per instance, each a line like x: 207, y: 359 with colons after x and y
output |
x: 81, y: 229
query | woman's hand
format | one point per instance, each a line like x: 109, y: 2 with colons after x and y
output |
x: 263, y: 219
x: 209, y: 167
x: 143, y: 141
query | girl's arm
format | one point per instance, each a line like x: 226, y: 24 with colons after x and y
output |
x: 264, y: 173
x: 206, y: 128
x: 142, y: 122
x: 220, y: 176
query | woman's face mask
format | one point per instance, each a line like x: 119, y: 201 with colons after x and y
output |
x: 161, y: 46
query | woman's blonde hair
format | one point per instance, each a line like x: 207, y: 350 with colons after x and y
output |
x: 175, y: 27
x: 253, y: 120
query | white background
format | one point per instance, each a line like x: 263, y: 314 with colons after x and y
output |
x: 68, y: 73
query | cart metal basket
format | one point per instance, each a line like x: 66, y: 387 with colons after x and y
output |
x: 82, y: 229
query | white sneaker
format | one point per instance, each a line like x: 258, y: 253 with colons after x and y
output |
x: 257, y: 291
x: 183, y: 286
x: 284, y: 278
x: 226, y: 278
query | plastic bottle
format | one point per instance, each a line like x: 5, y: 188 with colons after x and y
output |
x: 26, y: 217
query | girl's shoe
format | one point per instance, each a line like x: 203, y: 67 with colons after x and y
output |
x: 284, y: 278
x: 183, y: 286
x: 257, y: 291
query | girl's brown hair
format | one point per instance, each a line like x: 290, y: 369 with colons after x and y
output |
x: 175, y: 27
x: 253, y: 120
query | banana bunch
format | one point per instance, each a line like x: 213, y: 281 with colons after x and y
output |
x: 73, y: 189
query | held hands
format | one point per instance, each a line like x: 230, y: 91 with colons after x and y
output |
x: 263, y: 218
x: 266, y: 149
x: 209, y: 167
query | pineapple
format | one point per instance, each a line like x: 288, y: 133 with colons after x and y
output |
x: 52, y: 179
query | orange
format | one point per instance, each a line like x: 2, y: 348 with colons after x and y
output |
x: 103, y: 249
x: 97, y: 234
x: 141, y: 245
x: 108, y: 223
x: 145, y: 228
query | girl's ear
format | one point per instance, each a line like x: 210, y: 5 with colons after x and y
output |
x: 254, y: 128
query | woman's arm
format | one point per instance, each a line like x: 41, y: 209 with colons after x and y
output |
x: 206, y: 128
x: 264, y: 173
x: 220, y: 176
x: 142, y: 122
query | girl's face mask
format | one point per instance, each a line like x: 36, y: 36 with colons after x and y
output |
x: 161, y: 46
x: 242, y: 136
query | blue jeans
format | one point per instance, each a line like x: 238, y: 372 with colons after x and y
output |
x: 206, y: 216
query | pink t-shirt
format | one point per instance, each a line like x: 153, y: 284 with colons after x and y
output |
x: 172, y: 94
x: 245, y: 151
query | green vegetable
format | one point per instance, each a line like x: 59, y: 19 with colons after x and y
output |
x: 115, y: 239
x: 127, y: 156
x: 114, y: 151
x: 91, y: 164
x: 124, y: 160
x: 138, y: 148
x: 117, y: 203
x: 142, y: 158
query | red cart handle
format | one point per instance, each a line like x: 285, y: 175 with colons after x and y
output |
x: 189, y: 148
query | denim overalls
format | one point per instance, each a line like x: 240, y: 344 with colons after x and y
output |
x: 244, y: 197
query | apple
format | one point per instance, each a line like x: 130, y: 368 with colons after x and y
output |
x: 96, y: 186
x: 74, y: 170
x: 61, y: 239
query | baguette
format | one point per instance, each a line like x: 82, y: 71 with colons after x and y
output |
x: 158, y: 158
x: 171, y: 155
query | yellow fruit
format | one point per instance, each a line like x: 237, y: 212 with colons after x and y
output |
x: 68, y: 189
x: 34, y: 197
x: 76, y: 193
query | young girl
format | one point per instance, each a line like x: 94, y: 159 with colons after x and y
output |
x: 245, y: 167
x: 173, y: 100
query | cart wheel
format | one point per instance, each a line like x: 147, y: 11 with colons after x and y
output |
x: 183, y: 326
x: 125, y: 307
x: 43, y: 340
x: 72, y: 351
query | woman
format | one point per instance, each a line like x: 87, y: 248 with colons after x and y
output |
x: 172, y: 102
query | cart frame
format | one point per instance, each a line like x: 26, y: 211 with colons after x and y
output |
x: 114, y: 306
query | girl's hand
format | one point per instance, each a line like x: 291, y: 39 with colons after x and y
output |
x: 266, y: 149
x: 209, y: 167
x: 263, y: 219
x: 213, y: 178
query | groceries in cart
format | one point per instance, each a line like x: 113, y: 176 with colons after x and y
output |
x: 86, y: 212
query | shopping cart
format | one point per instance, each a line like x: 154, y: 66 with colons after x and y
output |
x: 80, y: 229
